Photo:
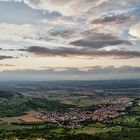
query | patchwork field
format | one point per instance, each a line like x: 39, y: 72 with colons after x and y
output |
x: 80, y: 101
x: 28, y: 117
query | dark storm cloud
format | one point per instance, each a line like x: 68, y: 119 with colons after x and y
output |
x: 42, y: 51
x: 118, y: 19
x: 99, y: 40
x: 65, y: 52
x: 5, y: 57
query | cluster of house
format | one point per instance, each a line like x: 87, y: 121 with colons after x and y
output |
x: 66, y: 120
x: 117, y: 108
x: 74, y: 118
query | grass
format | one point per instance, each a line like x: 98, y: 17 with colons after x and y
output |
x: 83, y: 102
x: 21, y: 126
x: 130, y: 120
x: 90, y: 129
x: 96, y: 128
x: 75, y: 100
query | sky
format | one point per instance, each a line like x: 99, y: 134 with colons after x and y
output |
x: 69, y: 39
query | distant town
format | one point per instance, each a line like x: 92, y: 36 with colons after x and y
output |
x: 76, y: 116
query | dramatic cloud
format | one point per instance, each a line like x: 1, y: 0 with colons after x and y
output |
x: 135, y: 30
x: 79, y: 7
x: 17, y: 32
x: 5, y: 57
x: 65, y: 7
x: 60, y: 21
x: 62, y: 33
x: 64, y: 52
x: 78, y: 32
x: 111, y: 19
x: 99, y: 40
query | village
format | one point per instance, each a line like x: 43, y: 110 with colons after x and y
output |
x: 76, y: 116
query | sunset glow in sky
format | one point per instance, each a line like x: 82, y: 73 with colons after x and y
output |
x: 69, y: 39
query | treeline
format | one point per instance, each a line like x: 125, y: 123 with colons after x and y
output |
x: 47, y: 105
x: 18, y: 105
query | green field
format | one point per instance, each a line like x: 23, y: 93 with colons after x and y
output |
x: 94, y: 131
x: 122, y: 128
